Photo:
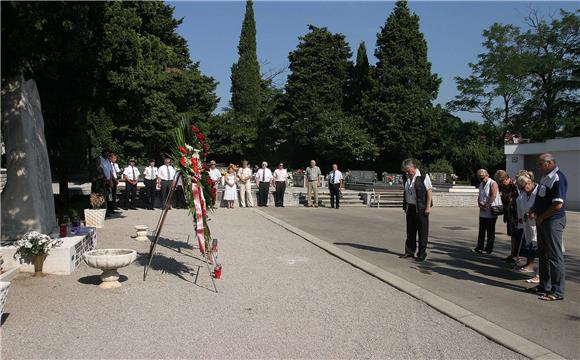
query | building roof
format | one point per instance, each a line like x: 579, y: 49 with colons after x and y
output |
x: 552, y: 145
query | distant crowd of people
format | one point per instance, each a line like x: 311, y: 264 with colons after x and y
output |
x: 534, y: 213
x: 106, y: 174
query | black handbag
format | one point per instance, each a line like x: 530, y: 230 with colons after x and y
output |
x: 497, y: 210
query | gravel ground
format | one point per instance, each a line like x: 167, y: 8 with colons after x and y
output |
x: 280, y: 297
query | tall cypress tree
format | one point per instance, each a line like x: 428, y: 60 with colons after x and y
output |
x: 246, y: 78
x: 400, y: 107
x: 360, y: 81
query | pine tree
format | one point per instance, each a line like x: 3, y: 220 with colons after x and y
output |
x: 400, y: 105
x: 246, y: 79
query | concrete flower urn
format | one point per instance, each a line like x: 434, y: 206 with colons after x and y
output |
x: 142, y: 232
x: 109, y: 260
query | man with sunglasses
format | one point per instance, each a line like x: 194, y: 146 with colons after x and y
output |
x: 550, y: 214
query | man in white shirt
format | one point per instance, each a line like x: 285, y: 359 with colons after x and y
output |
x: 131, y: 177
x: 263, y: 180
x: 111, y: 204
x: 244, y: 177
x: 215, y: 175
x: 166, y: 175
x: 150, y: 177
x: 417, y: 205
x: 334, y: 185
x: 281, y: 181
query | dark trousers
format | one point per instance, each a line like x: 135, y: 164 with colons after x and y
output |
x: 280, y: 190
x: 179, y: 197
x: 486, y: 225
x: 150, y: 187
x: 165, y: 188
x: 417, y: 223
x: 130, y: 194
x: 263, y: 190
x: 111, y: 199
x: 551, y: 257
x: 334, y: 195
x: 114, y: 192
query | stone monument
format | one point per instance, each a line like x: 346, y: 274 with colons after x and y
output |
x: 27, y: 199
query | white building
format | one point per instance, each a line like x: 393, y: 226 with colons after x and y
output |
x: 567, y: 154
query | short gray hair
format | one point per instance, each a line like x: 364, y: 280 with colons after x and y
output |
x: 483, y: 172
x: 408, y: 163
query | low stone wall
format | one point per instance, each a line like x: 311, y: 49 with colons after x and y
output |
x: 450, y: 199
x: 62, y: 260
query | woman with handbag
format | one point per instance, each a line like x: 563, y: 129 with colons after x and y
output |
x: 526, y: 226
x: 490, y: 204
x: 509, y: 194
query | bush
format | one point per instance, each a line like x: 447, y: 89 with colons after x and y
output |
x: 441, y: 166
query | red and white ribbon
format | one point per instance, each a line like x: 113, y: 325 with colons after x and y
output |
x: 199, y: 211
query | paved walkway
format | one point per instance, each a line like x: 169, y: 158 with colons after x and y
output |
x: 280, y: 297
x: 483, y: 285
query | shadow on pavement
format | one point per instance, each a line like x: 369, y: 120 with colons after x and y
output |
x: 368, y: 248
x: 96, y: 279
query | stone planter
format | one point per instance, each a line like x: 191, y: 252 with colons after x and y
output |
x: 95, y: 218
x: 141, y: 232
x: 109, y: 260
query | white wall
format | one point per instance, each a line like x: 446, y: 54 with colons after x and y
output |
x: 567, y: 154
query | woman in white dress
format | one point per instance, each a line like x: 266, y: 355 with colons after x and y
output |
x: 231, y: 191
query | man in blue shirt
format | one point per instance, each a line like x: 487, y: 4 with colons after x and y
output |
x: 549, y: 212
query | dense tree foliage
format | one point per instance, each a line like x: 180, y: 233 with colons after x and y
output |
x: 527, y: 82
x: 399, y: 107
x: 110, y: 75
x: 315, y: 122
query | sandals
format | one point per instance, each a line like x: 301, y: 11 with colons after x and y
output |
x: 534, y: 280
x: 551, y: 297
x: 523, y: 270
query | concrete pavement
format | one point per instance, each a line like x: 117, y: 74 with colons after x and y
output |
x: 280, y: 297
x: 483, y: 285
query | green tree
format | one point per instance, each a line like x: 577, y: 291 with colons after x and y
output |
x: 495, y: 90
x: 360, y: 80
x: 399, y: 107
x: 246, y: 82
x: 527, y: 82
x: 147, y: 81
x: 55, y: 43
x: 315, y: 123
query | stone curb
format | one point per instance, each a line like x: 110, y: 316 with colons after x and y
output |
x: 486, y: 328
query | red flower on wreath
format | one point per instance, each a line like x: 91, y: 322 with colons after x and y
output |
x: 183, y: 150
x: 182, y: 161
x: 200, y: 137
x: 194, y: 165
x: 195, y: 130
x: 203, y: 155
x: 205, y: 148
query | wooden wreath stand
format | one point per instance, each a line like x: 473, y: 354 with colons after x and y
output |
x: 159, y: 227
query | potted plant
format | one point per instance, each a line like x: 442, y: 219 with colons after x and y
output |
x: 95, y: 217
x: 390, y: 179
x: 36, y: 246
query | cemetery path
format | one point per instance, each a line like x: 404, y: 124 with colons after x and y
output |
x: 482, y: 284
x: 280, y: 297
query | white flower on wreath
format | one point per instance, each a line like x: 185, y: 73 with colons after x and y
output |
x: 196, y: 153
x: 189, y: 147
